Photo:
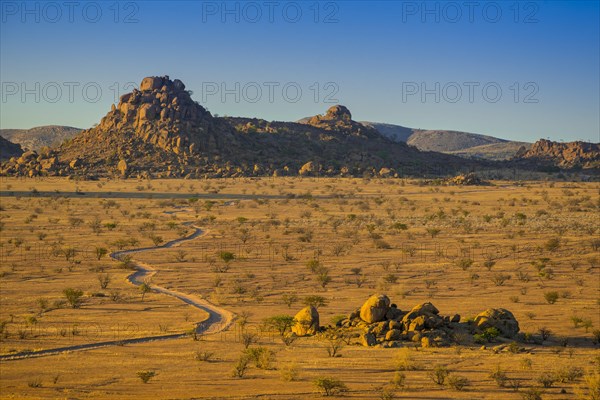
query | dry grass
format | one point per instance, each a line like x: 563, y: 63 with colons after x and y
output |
x: 273, y: 227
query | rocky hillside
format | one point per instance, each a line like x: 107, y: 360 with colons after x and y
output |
x: 463, y: 144
x: 570, y: 155
x: 495, y: 151
x: 160, y: 131
x: 40, y: 136
x: 9, y: 149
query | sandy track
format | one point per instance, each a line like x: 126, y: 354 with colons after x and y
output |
x: 218, y: 320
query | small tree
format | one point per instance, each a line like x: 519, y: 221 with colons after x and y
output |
x: 330, y: 386
x: 433, y: 232
x: 315, y: 301
x: 323, y: 277
x: 289, y: 299
x: 73, y: 297
x: 335, y: 343
x: 545, y: 333
x: 280, y: 323
x: 100, y: 252
x: 144, y: 288
x: 248, y: 339
x: 104, y: 280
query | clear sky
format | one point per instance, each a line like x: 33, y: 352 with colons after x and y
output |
x: 516, y: 70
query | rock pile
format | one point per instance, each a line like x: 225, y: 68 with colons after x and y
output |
x: 469, y: 179
x: 338, y: 118
x: 381, y: 322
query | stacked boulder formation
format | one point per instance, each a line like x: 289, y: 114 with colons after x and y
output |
x: 379, y: 322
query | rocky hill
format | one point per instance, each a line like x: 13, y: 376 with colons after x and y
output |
x: 494, y: 151
x: 40, y: 136
x: 570, y: 155
x: 9, y: 149
x: 160, y: 131
x: 463, y: 144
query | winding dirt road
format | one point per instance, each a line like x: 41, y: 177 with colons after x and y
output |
x: 218, y: 319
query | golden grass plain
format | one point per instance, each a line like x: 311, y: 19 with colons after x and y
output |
x: 407, y: 237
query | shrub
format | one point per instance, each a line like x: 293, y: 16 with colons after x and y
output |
x: 145, y: 376
x: 532, y: 394
x: 487, y: 336
x: 526, y: 363
x: 552, y: 244
x: 596, y: 336
x: 545, y: 333
x: 226, y: 256
x: 457, y: 382
x: 313, y: 265
x: 439, y: 374
x: 330, y: 386
x: 35, y: 383
x: 205, y: 356
x: 546, y: 379
x: 403, y: 360
x: 568, y: 374
x: 289, y: 372
x: 590, y: 388
x: 551, y: 297
x: 499, y: 279
x: 242, y: 365
x: 399, y: 379
x: 576, y: 321
x: 499, y: 376
x: 464, y: 263
x: 260, y: 356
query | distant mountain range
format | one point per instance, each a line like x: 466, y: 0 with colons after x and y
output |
x: 463, y: 144
x: 40, y: 136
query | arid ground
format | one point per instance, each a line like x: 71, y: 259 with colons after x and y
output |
x: 529, y: 247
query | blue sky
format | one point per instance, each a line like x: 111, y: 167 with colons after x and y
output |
x: 517, y: 70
